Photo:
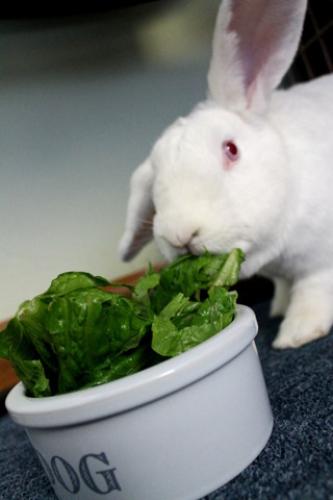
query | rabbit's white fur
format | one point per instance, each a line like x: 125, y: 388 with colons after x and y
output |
x: 275, y: 201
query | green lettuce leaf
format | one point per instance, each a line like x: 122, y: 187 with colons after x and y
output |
x: 78, y: 334
x: 88, y: 325
x: 114, y: 368
x: 182, y: 324
x: 70, y: 281
x: 16, y: 346
x: 193, y: 276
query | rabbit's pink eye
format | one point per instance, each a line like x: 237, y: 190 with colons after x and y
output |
x: 230, y: 150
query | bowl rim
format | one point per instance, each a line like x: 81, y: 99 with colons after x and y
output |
x: 140, y: 388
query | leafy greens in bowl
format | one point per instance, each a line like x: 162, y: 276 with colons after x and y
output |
x: 80, y: 333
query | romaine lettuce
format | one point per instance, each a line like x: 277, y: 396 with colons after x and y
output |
x: 80, y: 334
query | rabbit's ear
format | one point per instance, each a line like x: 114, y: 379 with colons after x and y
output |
x: 254, y: 44
x: 140, y: 212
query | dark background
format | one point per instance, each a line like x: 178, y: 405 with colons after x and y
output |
x: 314, y: 57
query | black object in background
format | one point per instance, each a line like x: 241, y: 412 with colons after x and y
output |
x: 315, y: 55
x: 29, y: 10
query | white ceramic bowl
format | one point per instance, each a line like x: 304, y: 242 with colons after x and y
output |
x: 175, y: 431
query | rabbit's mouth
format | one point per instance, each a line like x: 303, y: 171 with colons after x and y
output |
x: 196, y: 245
x: 172, y: 249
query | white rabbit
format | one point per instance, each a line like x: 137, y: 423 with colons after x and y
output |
x: 251, y: 167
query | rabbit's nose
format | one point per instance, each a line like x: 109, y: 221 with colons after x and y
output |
x: 185, y: 240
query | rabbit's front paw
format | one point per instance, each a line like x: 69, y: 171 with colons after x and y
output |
x: 290, y: 339
x: 309, y: 315
x: 297, y: 330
